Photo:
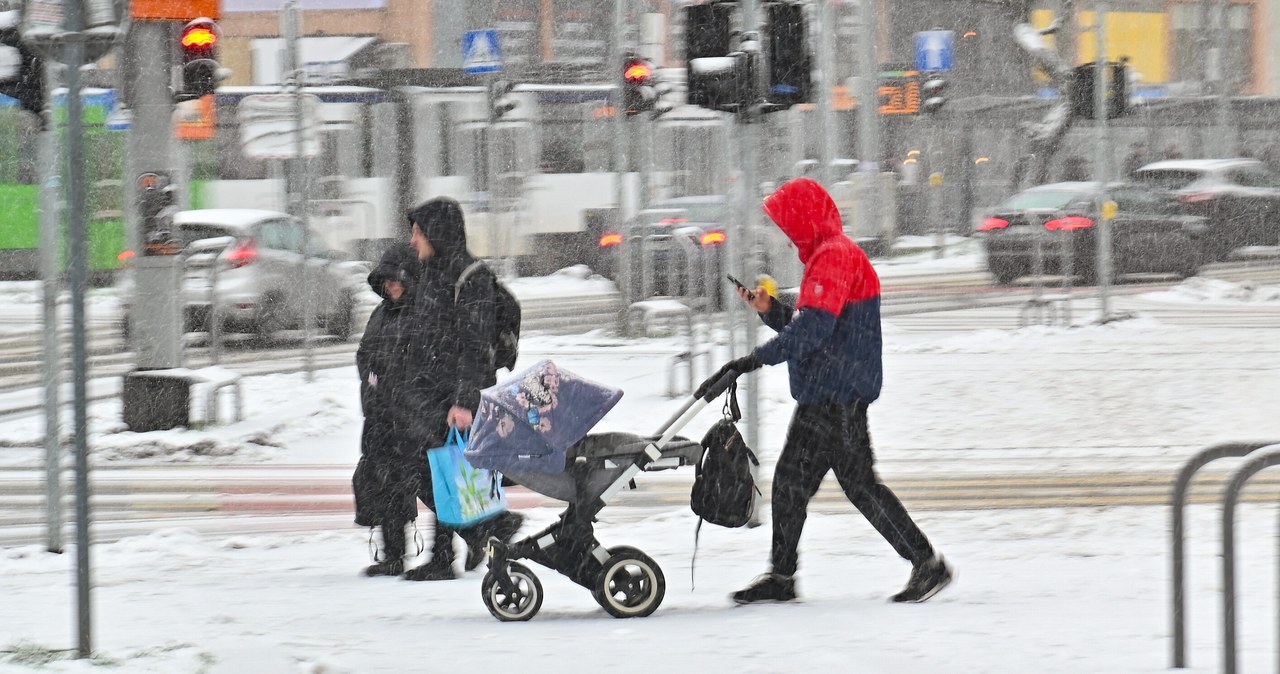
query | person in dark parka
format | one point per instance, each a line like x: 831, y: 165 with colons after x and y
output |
x: 448, y: 361
x: 386, y: 478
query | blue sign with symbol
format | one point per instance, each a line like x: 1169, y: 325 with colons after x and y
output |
x: 481, y: 52
x: 935, y: 50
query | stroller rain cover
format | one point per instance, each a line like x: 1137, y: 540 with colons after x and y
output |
x: 527, y: 422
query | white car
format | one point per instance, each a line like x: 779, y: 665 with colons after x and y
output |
x: 263, y: 273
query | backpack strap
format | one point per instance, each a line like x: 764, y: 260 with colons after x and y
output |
x: 462, y: 278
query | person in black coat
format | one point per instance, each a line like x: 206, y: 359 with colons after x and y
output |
x: 386, y: 478
x: 448, y: 361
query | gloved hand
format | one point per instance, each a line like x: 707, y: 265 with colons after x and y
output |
x: 737, y: 366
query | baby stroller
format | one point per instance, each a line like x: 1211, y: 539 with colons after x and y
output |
x: 533, y: 429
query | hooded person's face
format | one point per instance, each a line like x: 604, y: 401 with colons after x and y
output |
x: 395, y: 290
x: 419, y: 242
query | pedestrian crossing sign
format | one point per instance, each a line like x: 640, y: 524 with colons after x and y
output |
x: 481, y: 52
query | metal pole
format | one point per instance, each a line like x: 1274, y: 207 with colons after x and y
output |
x: 489, y: 159
x: 291, y: 17
x: 78, y: 233
x: 935, y: 187
x: 1102, y: 168
x: 625, y: 270
x: 215, y: 317
x: 750, y: 204
x: 869, y: 116
x: 1223, y: 34
x: 50, y: 235
x: 826, y: 72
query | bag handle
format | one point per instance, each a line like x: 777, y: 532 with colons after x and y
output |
x: 457, y: 437
x: 731, y: 410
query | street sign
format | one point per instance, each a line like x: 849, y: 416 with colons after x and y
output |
x: 269, y: 126
x: 935, y: 50
x: 481, y: 52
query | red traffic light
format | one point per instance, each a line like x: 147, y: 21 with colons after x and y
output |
x: 199, y: 39
x: 637, y: 72
x: 199, y: 36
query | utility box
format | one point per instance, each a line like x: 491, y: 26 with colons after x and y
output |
x: 156, y: 400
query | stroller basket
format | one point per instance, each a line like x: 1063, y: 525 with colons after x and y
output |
x: 597, y: 460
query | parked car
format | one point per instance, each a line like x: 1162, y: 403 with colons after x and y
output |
x: 1150, y: 232
x: 262, y: 270
x: 1239, y: 197
x: 678, y: 247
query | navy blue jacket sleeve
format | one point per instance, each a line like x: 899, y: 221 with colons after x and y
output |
x: 778, y: 315
x: 806, y: 332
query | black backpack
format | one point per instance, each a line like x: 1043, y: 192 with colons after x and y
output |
x: 506, y: 319
x: 723, y: 490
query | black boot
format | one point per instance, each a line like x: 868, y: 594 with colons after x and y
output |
x: 436, y: 569
x: 927, y: 579
x: 392, y: 562
x: 502, y: 527
x: 769, y: 587
x: 441, y: 565
x: 387, y: 567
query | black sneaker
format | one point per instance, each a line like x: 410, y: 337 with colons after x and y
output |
x: 503, y: 528
x: 768, y: 587
x: 436, y: 569
x: 388, y: 567
x: 927, y: 579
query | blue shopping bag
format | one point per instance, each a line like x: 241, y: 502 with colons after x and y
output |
x: 464, y: 495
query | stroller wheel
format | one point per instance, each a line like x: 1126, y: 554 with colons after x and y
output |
x: 631, y: 585
x: 522, y: 603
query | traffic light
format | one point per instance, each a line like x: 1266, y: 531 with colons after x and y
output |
x: 790, y: 64
x: 718, y: 79
x: 638, y: 94
x: 933, y: 94
x: 1083, y: 96
x: 501, y: 101
x: 200, y: 70
x: 21, y: 72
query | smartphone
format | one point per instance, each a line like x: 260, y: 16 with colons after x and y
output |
x: 750, y: 295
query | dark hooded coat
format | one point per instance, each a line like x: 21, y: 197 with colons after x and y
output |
x: 386, y: 478
x: 449, y: 357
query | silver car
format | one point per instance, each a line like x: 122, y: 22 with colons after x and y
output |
x: 262, y: 271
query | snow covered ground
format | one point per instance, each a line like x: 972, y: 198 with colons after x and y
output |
x: 1053, y: 590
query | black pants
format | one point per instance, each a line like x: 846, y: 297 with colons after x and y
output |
x: 835, y: 438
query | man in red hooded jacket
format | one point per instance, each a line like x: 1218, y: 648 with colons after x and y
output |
x: 831, y: 343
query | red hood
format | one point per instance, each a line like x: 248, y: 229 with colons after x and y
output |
x: 804, y: 212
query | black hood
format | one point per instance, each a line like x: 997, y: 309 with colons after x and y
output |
x: 399, y: 263
x: 442, y: 223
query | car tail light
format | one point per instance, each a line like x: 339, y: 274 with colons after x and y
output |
x: 993, y: 223
x: 673, y: 221
x: 125, y: 258
x: 1068, y: 224
x: 713, y: 238
x: 1198, y: 198
x: 610, y: 239
x: 243, y: 254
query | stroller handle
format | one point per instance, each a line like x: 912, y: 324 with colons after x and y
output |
x: 721, y: 385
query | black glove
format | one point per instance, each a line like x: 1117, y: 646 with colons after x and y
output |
x: 737, y: 366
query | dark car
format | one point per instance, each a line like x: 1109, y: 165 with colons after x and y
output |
x: 1150, y: 232
x: 1239, y: 197
x: 678, y: 247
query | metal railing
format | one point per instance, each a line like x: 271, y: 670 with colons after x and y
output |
x: 1181, y: 487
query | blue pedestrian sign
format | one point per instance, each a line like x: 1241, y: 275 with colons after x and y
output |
x: 935, y: 50
x: 481, y: 52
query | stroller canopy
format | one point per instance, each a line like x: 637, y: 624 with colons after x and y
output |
x: 528, y: 421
